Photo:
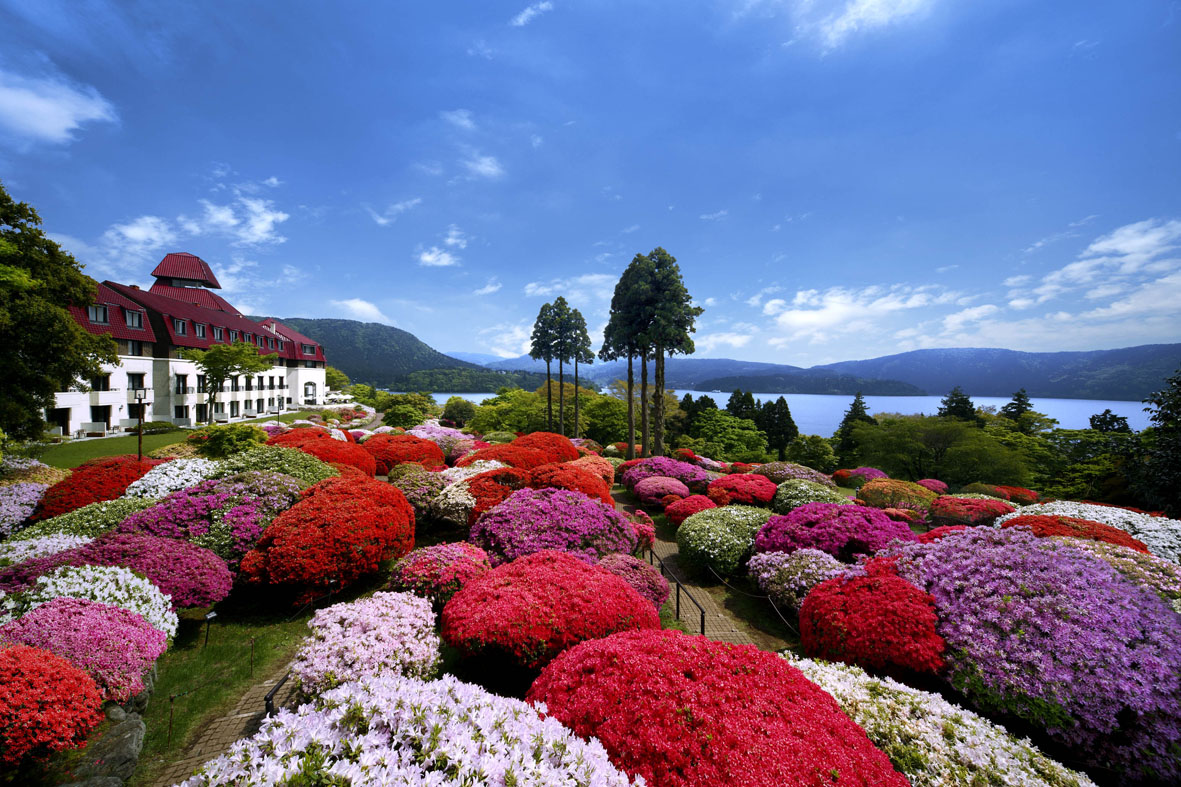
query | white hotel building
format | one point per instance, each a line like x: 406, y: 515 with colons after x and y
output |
x: 152, y: 327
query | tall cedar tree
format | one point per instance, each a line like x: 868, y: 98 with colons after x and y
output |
x: 583, y: 353
x: 843, y: 443
x: 224, y: 361
x: 542, y: 348
x: 620, y: 340
x: 957, y: 405
x: 42, y: 349
x: 742, y: 405
x: 1018, y: 406
x: 673, y: 319
x: 774, y: 418
x: 563, y: 351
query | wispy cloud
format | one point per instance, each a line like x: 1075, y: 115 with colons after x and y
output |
x: 492, y: 286
x: 597, y: 285
x: 434, y: 257
x: 246, y: 221
x: 362, y: 310
x: 391, y: 214
x: 483, y: 166
x: 709, y: 342
x: 721, y: 214
x: 49, y: 108
x: 820, y: 315
x: 455, y: 238
x: 460, y: 118
x: 757, y: 298
x: 530, y: 13
x: 508, y: 340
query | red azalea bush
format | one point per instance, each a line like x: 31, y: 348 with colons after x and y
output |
x: 877, y: 621
x: 686, y: 507
x: 685, y: 711
x: 749, y: 489
x: 949, y: 510
x: 843, y: 477
x: 391, y: 450
x: 556, y: 447
x: 492, y: 487
x: 510, y: 454
x: 653, y: 489
x: 741, y: 467
x: 324, y: 447
x: 571, y: 476
x: 341, y: 530
x: 685, y: 455
x: 1074, y: 527
x: 1018, y: 494
x: 537, y: 606
x: 940, y: 532
x: 980, y: 488
x: 93, y: 482
x: 46, y: 705
x: 598, y: 466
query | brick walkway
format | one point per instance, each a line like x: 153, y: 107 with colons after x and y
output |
x: 719, y: 624
x: 220, y: 734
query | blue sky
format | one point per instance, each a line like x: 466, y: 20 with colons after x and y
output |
x: 839, y: 179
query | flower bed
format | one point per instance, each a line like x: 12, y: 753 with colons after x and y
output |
x: 420, y: 489
x: 90, y: 521
x: 113, y: 646
x: 387, y: 632
x: 391, y: 450
x: 940, y: 532
x: 438, y: 572
x: 531, y: 520
x: 305, y: 468
x: 17, y: 503
x: 92, y: 482
x: 1047, y: 525
x: 365, y: 733
x: 843, y: 531
x: 1162, y: 536
x: 493, y: 488
x: 324, y: 447
x: 643, y: 577
x: 686, y: 507
x: 17, y: 469
x: 173, y: 476
x: 556, y: 447
x: 637, y: 470
x: 934, y: 484
x: 46, y: 705
x: 532, y: 609
x: 597, y: 465
x: 750, y: 489
x: 719, y: 539
x: 1018, y: 494
x: 779, y: 472
x: 892, y: 493
x: 788, y: 577
x: 572, y: 477
x: 1151, y: 572
x: 510, y: 454
x: 795, y: 492
x: 931, y: 741
x: 113, y: 585
x: 653, y: 490
x: 955, y: 510
x: 684, y: 711
x: 18, y: 551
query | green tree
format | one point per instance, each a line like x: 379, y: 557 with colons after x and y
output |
x: 606, y: 419
x: 774, y: 418
x: 844, y: 441
x: 42, y: 349
x: 914, y: 447
x: 1018, y: 406
x: 1158, y: 475
x: 582, y: 353
x: 673, y: 318
x: 727, y: 438
x: 335, y: 379
x: 622, y: 340
x: 812, y: 451
x: 365, y: 394
x: 511, y: 410
x: 458, y: 410
x: 222, y: 362
x: 542, y: 348
x: 563, y: 344
x: 1107, y: 421
x: 742, y: 404
x: 957, y: 405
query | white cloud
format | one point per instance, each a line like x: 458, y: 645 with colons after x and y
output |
x: 362, y: 310
x: 460, y: 118
x: 483, y: 166
x: 492, y: 286
x: 530, y: 13
x: 1018, y: 281
x: 595, y: 285
x: 49, y: 109
x: 710, y: 302
x: 820, y: 316
x: 535, y: 140
x: 391, y: 214
x: 138, y: 238
x: 434, y: 257
x: 273, y: 182
x: 946, y: 268
x: 247, y: 221
x: 508, y: 340
x: 757, y: 298
x: 455, y: 238
x: 721, y: 214
x: 865, y: 15
x: 955, y: 322
x: 629, y: 230
x: 260, y: 222
x: 711, y: 341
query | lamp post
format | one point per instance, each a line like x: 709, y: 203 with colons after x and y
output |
x: 141, y: 395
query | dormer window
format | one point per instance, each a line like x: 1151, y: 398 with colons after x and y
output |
x: 200, y: 329
x: 134, y: 319
x: 97, y: 314
x: 233, y: 335
x: 218, y: 334
x: 179, y: 327
x: 308, y: 349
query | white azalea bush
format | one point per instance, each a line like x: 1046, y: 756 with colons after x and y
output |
x: 932, y: 741
x: 392, y: 632
x: 173, y: 476
x: 456, y: 474
x: 13, y: 552
x: 795, y: 492
x: 120, y: 587
x: 1161, y: 535
x: 453, y: 504
x: 392, y: 730
x: 720, y: 539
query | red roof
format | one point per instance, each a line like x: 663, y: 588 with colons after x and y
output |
x: 192, y: 315
x: 197, y: 295
x: 294, y: 341
x: 182, y: 265
x: 116, y: 324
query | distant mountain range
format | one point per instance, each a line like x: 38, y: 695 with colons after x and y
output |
x: 382, y: 355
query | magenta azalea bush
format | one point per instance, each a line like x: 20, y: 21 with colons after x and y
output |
x: 653, y: 489
x: 439, y: 571
x: 530, y: 520
x: 842, y: 531
x: 113, y: 645
x: 785, y: 471
x: 642, y: 576
x: 934, y: 484
x: 1041, y: 630
x: 691, y: 476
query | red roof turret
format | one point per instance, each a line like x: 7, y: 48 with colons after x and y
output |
x: 189, y: 267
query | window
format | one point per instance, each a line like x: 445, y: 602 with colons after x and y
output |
x: 135, y: 347
x: 200, y: 330
x: 182, y: 382
x: 270, y: 343
x: 218, y: 334
x: 180, y: 411
x: 233, y: 409
x: 233, y: 335
x: 234, y: 384
x: 309, y: 364
x: 308, y: 349
x: 134, y: 319
x: 280, y: 345
x: 100, y: 383
x: 200, y: 383
x: 179, y: 327
x: 97, y: 314
x: 135, y: 380
x: 248, y: 338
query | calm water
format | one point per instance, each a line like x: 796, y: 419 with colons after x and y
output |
x: 821, y: 414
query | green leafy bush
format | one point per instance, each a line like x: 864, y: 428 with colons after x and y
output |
x: 218, y: 442
x: 155, y: 427
x: 796, y: 492
x: 720, y: 538
x: 276, y: 459
x: 90, y: 521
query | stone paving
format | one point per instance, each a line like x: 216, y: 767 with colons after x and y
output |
x: 719, y: 624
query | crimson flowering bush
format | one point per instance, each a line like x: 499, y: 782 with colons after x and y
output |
x: 686, y: 507
x: 934, y: 484
x: 438, y: 572
x: 691, y: 476
x: 1019, y: 494
x: 324, y: 447
x: 752, y: 489
x: 533, y: 608
x: 46, y: 705
x: 949, y: 510
x: 642, y: 576
x: 992, y: 490
x: 510, y: 454
x: 112, y: 645
x: 532, y: 520
x: 842, y: 531
x: 556, y: 447
x: 93, y: 482
x: 940, y: 532
x: 571, y: 476
x: 341, y: 530
x: 779, y: 472
x: 653, y: 490
x: 391, y: 450
x: 893, y: 493
x: 1051, y: 525
x: 685, y: 711
x: 491, y: 488
x: 878, y: 621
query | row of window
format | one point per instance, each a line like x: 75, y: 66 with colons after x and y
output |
x: 100, y: 315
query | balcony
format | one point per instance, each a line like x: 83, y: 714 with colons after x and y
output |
x: 184, y: 389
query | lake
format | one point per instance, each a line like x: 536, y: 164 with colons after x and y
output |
x: 821, y: 414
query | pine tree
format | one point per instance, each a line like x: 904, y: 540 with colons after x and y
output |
x: 843, y: 442
x: 582, y: 354
x: 1018, y: 406
x: 673, y: 319
x: 1158, y: 476
x: 1109, y: 422
x: 741, y: 404
x: 563, y: 344
x: 957, y: 405
x: 776, y: 422
x: 542, y: 348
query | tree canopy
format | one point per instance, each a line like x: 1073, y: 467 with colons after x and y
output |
x: 957, y: 405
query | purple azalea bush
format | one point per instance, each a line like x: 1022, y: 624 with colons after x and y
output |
x: 842, y: 531
x: 113, y: 645
x: 438, y: 572
x: 420, y: 489
x: 785, y: 471
x: 653, y: 489
x: 646, y: 579
x: 691, y: 476
x: 1039, y: 629
x: 787, y: 577
x: 17, y: 502
x: 530, y: 520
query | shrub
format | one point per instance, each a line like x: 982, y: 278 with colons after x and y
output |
x: 556, y: 447
x: 685, y: 711
x: 420, y: 489
x: 1151, y: 572
x: 510, y: 454
x: 940, y: 532
x: 218, y: 442
x: 340, y: 531
x: 795, y: 492
x: 46, y: 705
x: 779, y: 472
x: 788, y: 577
x: 112, y: 645
x: 686, y: 507
x: 92, y: 482
x: 533, y: 608
x: 842, y: 531
x: 112, y: 585
x: 454, y: 504
x: 324, y: 447
x: 747, y: 489
x: 597, y: 465
x: 1043, y: 525
x: 90, y: 521
x: 16, y: 469
x: 1162, y: 536
x: 306, y: 468
x: 653, y: 490
x: 532, y: 520
x: 980, y: 488
x: 893, y: 493
x: 947, y: 510
x: 391, y: 450
x: 643, y: 577
x: 172, y: 477
x: 643, y: 527
x: 719, y: 539
x: 18, y: 551
x: 637, y: 470
x: 499, y: 437
x: 1019, y: 494
x: 931, y: 741
x: 934, y: 484
x: 492, y: 488
x: 438, y: 572
x: 385, y: 633
x: 570, y: 476
x: 17, y: 503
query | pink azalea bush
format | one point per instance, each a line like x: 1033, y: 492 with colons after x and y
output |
x: 842, y: 531
x: 642, y: 576
x: 654, y: 489
x: 438, y: 572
